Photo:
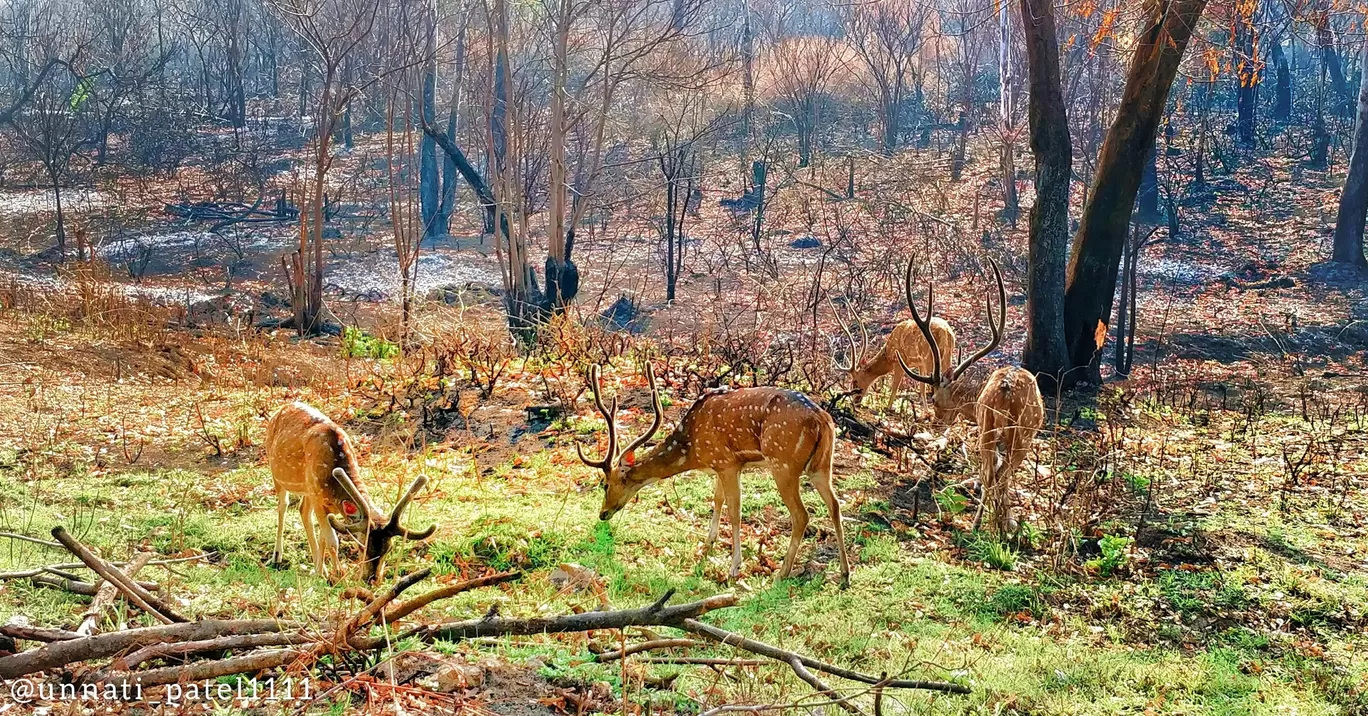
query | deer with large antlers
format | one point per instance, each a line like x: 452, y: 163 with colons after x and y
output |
x: 311, y: 456
x: 906, y: 342
x: 1007, y: 406
x: 724, y: 432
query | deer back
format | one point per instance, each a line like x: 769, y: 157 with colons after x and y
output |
x: 751, y: 425
x: 303, y: 446
x: 1010, y: 397
x: 909, y: 341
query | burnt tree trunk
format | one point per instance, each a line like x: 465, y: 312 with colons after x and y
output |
x: 1282, y: 88
x: 1353, y: 203
x: 1045, y: 352
x: 1103, y: 228
x: 1247, y: 79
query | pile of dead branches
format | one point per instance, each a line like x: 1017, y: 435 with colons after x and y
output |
x: 224, y: 214
x: 182, y: 649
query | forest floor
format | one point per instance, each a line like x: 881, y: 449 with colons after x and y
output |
x: 1197, y: 539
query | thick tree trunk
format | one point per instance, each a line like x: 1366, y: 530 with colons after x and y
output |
x: 1045, y: 352
x: 1247, y: 76
x: 429, y: 176
x: 1353, y: 204
x: 1282, y: 93
x: 1102, y: 231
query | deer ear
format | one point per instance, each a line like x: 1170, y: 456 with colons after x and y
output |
x: 629, y: 459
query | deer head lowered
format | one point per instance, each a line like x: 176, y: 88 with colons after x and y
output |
x: 313, y: 457
x: 1007, y: 407
x: 723, y: 432
x: 905, y: 342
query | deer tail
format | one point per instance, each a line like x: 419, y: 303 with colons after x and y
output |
x: 824, y: 450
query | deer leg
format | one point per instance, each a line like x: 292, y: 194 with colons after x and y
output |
x: 988, y: 457
x: 1020, y: 448
x: 730, y: 480
x: 789, y: 481
x: 718, y: 501
x: 327, y: 543
x: 895, y: 381
x: 282, y: 499
x: 821, y: 480
x: 306, y: 517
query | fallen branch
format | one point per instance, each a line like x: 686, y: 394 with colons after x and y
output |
x: 99, y: 646
x: 646, y: 646
x: 34, y: 540
x: 223, y: 643
x: 136, y: 595
x: 656, y: 614
x: 74, y: 586
x: 700, y: 661
x: 249, y: 664
x: 106, y: 595
x: 406, y: 608
x: 33, y: 633
x: 59, y: 569
x: 367, y: 615
x: 795, y: 662
x: 788, y: 657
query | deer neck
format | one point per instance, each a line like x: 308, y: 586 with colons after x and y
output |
x: 873, y: 369
x: 957, y: 397
x: 668, y: 460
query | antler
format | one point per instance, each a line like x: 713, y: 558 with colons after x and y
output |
x: 655, y: 407
x: 354, y: 493
x: 925, y: 326
x: 610, y: 455
x: 399, y: 507
x: 857, y: 352
x: 994, y: 328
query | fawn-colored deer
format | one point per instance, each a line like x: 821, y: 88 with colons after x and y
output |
x: 1007, y: 406
x: 905, y: 341
x: 723, y: 432
x: 311, y: 456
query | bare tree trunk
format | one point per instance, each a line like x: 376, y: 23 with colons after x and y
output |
x: 1282, y: 95
x: 1102, y: 231
x: 1045, y: 353
x: 1247, y: 76
x: 1353, y: 203
x: 1011, y: 206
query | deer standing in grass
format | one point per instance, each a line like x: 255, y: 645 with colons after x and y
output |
x: 311, y: 456
x: 724, y: 432
x: 1007, y: 406
x: 906, y: 342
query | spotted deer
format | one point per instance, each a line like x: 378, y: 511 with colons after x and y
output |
x: 905, y: 341
x: 1007, y: 406
x: 311, y: 456
x: 724, y: 432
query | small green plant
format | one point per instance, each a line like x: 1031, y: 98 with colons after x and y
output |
x: 1030, y: 537
x: 42, y: 326
x: 1115, y: 551
x: 995, y: 554
x: 356, y: 343
x: 1010, y: 599
x: 951, y: 501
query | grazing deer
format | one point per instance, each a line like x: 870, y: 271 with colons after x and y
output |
x: 1007, y: 406
x: 311, y: 456
x: 906, y: 341
x: 723, y: 432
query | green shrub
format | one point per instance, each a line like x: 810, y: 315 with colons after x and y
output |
x: 1115, y: 553
x: 356, y: 343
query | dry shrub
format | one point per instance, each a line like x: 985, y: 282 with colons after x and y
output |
x: 567, y: 346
